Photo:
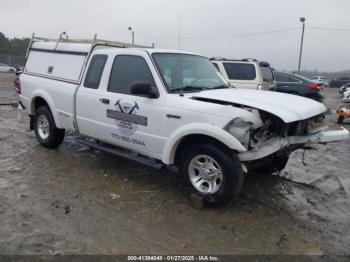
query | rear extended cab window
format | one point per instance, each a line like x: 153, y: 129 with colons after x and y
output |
x: 240, y: 71
x: 94, y: 73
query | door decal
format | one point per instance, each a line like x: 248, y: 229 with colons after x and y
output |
x: 126, y: 116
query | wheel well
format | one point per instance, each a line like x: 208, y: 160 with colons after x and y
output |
x: 37, y: 102
x: 191, y: 140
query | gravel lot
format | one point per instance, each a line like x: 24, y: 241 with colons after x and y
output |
x: 74, y: 200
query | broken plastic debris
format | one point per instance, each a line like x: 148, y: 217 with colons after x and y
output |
x: 114, y: 196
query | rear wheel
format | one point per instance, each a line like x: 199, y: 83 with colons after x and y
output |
x: 212, y: 172
x: 11, y: 71
x: 46, y: 132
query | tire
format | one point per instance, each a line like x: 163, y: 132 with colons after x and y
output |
x: 276, y: 165
x: 340, y: 119
x: 224, y: 187
x: 11, y: 71
x: 46, y: 132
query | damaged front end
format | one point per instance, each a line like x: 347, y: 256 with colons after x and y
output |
x: 277, y: 137
x: 242, y: 130
x: 277, y: 126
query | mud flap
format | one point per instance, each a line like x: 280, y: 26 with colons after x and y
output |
x: 31, y: 122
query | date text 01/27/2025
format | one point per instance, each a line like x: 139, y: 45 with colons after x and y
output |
x: 173, y: 258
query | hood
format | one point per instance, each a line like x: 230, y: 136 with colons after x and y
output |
x: 288, y: 107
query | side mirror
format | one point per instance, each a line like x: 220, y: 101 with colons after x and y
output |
x: 144, y: 88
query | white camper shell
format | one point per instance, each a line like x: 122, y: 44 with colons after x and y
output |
x: 165, y: 108
x: 65, y: 62
x: 63, y: 59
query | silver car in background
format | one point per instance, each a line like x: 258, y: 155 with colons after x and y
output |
x: 7, y: 69
x: 321, y: 80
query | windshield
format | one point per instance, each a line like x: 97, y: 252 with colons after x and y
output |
x: 189, y: 73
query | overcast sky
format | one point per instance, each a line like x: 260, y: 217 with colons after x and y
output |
x: 210, y: 27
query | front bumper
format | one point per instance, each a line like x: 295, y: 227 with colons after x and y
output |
x: 279, y: 143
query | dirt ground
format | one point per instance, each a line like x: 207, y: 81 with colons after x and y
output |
x: 74, y: 200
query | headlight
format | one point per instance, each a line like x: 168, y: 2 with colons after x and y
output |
x: 241, y: 130
x: 316, y: 124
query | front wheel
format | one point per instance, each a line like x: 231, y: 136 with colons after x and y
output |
x: 46, y: 132
x: 213, y: 172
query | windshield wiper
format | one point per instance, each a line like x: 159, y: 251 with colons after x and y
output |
x: 189, y: 88
x: 197, y: 88
x: 220, y: 87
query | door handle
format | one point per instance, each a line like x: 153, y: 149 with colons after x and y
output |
x: 104, y: 101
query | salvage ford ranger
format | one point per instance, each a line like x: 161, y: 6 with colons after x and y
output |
x: 167, y: 108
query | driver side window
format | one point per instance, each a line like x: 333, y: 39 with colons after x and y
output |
x: 127, y: 70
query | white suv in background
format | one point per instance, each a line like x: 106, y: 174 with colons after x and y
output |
x: 247, y: 73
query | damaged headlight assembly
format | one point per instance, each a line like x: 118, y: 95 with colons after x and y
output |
x: 241, y: 130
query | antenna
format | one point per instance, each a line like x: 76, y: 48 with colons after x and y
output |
x: 179, y: 30
x: 179, y: 39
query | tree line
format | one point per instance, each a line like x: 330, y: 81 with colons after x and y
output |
x: 329, y: 75
x: 18, y: 47
x: 13, y: 46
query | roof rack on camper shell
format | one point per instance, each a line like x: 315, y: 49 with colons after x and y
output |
x: 79, y: 49
x: 63, y: 38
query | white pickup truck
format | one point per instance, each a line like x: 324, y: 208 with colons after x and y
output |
x: 165, y: 108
